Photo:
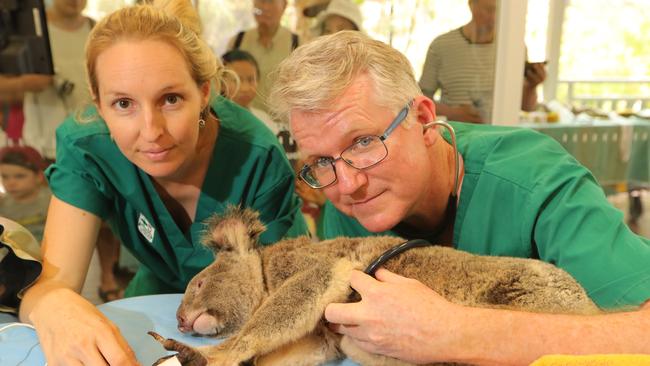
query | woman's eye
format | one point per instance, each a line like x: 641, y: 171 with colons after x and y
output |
x: 123, y: 104
x: 172, y: 99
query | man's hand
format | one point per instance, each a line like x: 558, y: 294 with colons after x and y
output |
x: 397, y: 317
x: 534, y: 74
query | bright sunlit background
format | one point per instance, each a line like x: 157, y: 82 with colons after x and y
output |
x: 605, y: 47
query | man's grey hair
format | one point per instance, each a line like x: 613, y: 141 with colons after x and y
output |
x: 316, y: 74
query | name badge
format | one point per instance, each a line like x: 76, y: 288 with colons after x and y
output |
x: 145, y: 228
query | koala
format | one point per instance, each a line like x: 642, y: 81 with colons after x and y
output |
x: 270, y: 300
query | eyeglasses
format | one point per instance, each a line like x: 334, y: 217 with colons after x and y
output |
x: 366, y: 151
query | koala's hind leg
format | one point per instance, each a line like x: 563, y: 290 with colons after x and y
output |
x: 292, y: 311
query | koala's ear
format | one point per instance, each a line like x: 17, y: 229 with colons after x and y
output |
x: 237, y: 229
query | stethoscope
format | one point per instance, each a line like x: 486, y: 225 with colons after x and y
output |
x: 450, y: 212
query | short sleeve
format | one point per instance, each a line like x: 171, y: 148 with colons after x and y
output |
x: 429, y: 78
x: 72, y: 180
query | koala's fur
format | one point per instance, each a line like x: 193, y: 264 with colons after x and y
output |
x: 271, y: 300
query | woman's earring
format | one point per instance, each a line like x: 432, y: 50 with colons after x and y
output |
x: 202, y: 119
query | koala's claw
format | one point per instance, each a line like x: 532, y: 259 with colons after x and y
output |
x: 186, y: 355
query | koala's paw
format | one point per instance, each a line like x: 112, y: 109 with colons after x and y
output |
x: 186, y: 355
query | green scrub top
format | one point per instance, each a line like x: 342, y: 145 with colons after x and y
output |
x: 524, y: 196
x: 248, y: 168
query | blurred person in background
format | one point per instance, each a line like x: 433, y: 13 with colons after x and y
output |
x: 340, y: 15
x: 269, y: 43
x: 461, y: 64
x: 27, y: 196
x: 243, y: 92
x: 243, y: 89
x: 48, y: 99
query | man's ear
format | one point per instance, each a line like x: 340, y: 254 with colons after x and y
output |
x: 425, y: 112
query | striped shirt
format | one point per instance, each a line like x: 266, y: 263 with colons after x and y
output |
x: 463, y: 71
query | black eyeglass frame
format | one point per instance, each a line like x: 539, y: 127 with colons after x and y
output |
x: 401, y: 116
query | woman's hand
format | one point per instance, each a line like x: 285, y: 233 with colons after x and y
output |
x: 397, y: 317
x: 73, y: 331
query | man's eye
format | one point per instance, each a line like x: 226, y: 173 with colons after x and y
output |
x: 364, y: 141
x: 322, y: 162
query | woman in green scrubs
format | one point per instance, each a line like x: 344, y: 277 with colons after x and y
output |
x: 156, y: 156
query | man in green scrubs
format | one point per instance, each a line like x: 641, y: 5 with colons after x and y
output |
x: 248, y: 168
x: 365, y: 131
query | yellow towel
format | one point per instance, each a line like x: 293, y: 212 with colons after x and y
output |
x: 593, y: 360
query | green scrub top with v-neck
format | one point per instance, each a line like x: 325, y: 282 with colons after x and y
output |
x: 524, y: 196
x: 248, y: 168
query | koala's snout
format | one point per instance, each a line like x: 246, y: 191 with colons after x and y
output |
x: 198, y: 321
x: 186, y: 319
x: 184, y: 325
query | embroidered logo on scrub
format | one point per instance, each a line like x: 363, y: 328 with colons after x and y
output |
x: 145, y: 228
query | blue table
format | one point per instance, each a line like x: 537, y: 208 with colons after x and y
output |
x: 134, y: 316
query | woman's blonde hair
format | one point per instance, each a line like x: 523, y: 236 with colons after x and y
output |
x: 173, y: 21
x: 319, y: 72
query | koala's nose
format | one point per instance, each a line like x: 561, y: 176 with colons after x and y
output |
x: 182, y: 323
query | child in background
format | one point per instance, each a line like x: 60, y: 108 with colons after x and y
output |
x: 244, y: 65
x: 26, y: 201
x: 27, y: 196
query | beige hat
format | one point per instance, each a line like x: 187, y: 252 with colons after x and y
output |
x: 344, y: 8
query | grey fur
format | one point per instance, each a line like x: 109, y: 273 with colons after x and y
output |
x: 270, y: 300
